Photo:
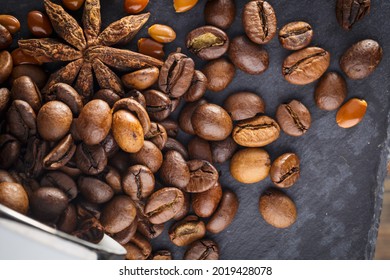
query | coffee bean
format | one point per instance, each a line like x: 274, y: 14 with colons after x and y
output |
x: 223, y: 150
x: 90, y: 159
x: 205, y: 203
x: 183, y: 212
x: 35, y: 72
x: 120, y: 161
x: 220, y: 13
x: 14, y: 196
x: 186, y: 231
x: 162, y: 255
x: 182, y: 6
x: 61, y: 181
x: 86, y: 209
x: 348, y: 12
x: 351, y: 113
x: 158, y: 104
x: 24, y: 88
x: 306, y: 65
x: 259, y: 21
x: 151, y: 47
x: 90, y: 230
x: 197, y: 88
x: 68, y: 95
x: 127, y: 131
x: 203, y: 176
x: 256, y: 132
x: 174, y: 170
x: 248, y: 56
x: 9, y: 150
x: 139, y: 248
x: 10, y: 22
x: 202, y: 250
x: 185, y: 116
x: 219, y: 74
x: 295, y: 35
x: 277, y: 208
x: 162, y: 33
x: 157, y: 135
x: 207, y: 42
x: 175, y: 103
x: 294, y: 118
x: 39, y: 24
x: 20, y: 58
x: 285, y: 170
x: 330, y: 92
x: 149, y: 155
x: 68, y: 220
x: 6, y: 66
x: 141, y: 79
x: 211, y: 122
x: 21, y: 120
x: 37, y: 149
x: 5, y: 38
x: 60, y: 154
x: 138, y: 182
x: 199, y: 148
x: 244, y: 105
x: 250, y: 165
x: 171, y: 127
x: 48, y: 203
x: 5, y: 98
x: 125, y: 235
x: 73, y: 5
x: 113, y: 178
x: 164, y: 205
x: 144, y: 226
x: 173, y: 144
x: 94, y: 190
x: 361, y: 59
x: 108, y: 96
x: 6, y: 176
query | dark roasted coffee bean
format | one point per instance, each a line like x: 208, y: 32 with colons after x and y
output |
x: 171, y: 127
x: 162, y: 255
x: 330, y: 92
x: 176, y: 74
x: 259, y: 21
x: 109, y: 145
x: 24, y: 88
x: 6, y: 176
x: 19, y: 58
x: 202, y: 250
x: 223, y: 150
x: 149, y: 155
x: 305, y: 66
x: 151, y: 47
x: 66, y: 94
x: 158, y: 104
x: 107, y: 95
x: 60, y: 154
x: 256, y: 132
x: 219, y: 74
x: 48, y: 203
x: 90, y: 159
x: 138, y: 182
x: 207, y: 42
x: 199, y: 148
x: 175, y: 103
x: 5, y: 97
x: 127, y: 131
x: 6, y: 65
x: 113, y: 178
x: 9, y: 150
x: 141, y: 79
x: 157, y: 135
x: 360, y: 60
x: 205, y: 203
x: 203, y: 176
x: 348, y: 12
x: 164, y: 204
x: 244, y: 105
x: 174, y: 170
x: 197, y: 88
x: 224, y: 214
x: 220, y: 13
x: 139, y: 248
x: 39, y: 24
x: 183, y: 212
x: 5, y: 38
x: 186, y: 231
x: 277, y: 208
x: 295, y: 35
x: 125, y: 235
x: 14, y: 196
x: 37, y: 149
x: 94, y: 190
x: 120, y: 161
x: 35, y: 72
x: 62, y: 181
x: 248, y: 56
x: 90, y: 230
x: 294, y: 118
x: 144, y: 226
x: 71, y: 169
x: 21, y: 120
x: 173, y: 144
x: 285, y: 170
x: 29, y: 184
x: 68, y: 219
x: 86, y: 209
x: 186, y: 115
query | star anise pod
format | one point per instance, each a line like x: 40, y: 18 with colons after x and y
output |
x: 89, y: 50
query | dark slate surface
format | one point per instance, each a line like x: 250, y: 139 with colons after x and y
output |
x: 339, y: 194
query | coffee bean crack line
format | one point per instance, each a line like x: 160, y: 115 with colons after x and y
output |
x: 161, y: 208
x: 295, y: 118
x: 289, y: 70
x: 288, y: 174
x: 263, y: 19
x: 207, y: 252
x: 188, y: 229
x: 296, y: 32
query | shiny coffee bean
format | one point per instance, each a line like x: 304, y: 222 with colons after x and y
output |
x: 186, y: 231
x: 10, y: 22
x: 348, y: 12
x: 144, y: 226
x: 90, y: 230
x: 244, y: 105
x: 174, y: 170
x: 125, y: 235
x: 285, y: 170
x: 39, y: 24
x: 256, y: 132
x: 219, y: 74
x: 120, y: 161
x: 223, y: 150
x: 5, y: 98
x: 127, y: 131
x: 207, y: 42
x: 171, y: 127
x: 141, y: 79
x: 248, y: 56
x: 277, y: 208
x: 68, y: 95
x: 306, y: 65
x: 259, y: 21
x: 73, y: 4
x: 250, y: 165
x: 20, y: 58
x: 68, y: 220
x: 61, y: 181
x: 202, y: 250
x: 149, y: 155
x: 91, y: 160
x: 21, y: 120
x: 108, y: 96
x: 203, y: 176
x: 37, y: 149
x: 5, y: 37
x: 294, y: 118
x: 94, y: 190
x: 48, y: 203
x: 157, y: 135
x: 86, y: 209
x: 351, y: 113
x: 330, y: 92
x: 183, y: 212
x: 205, y: 203
x: 151, y: 47
x: 182, y: 6
x: 134, y: 6
x: 199, y: 148
x: 6, y: 176
x: 173, y: 144
x: 14, y: 196
x: 185, y: 116
x: 162, y: 255
x: 9, y: 150
x: 60, y: 154
x: 175, y: 103
x: 113, y: 178
x: 35, y: 72
x: 6, y: 65
x: 197, y: 88
x: 24, y: 88
x: 295, y: 35
x: 158, y: 104
x: 138, y: 182
x: 220, y: 13
x: 139, y: 248
x: 361, y: 59
x: 162, y: 33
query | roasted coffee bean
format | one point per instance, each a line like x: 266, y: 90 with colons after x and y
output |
x: 162, y: 255
x: 250, y: 165
x: 360, y: 60
x: 171, y: 127
x: 138, y: 182
x: 158, y: 105
x: 48, y: 203
x: 35, y: 72
x: 305, y: 66
x: 157, y: 135
x: 54, y: 120
x: 173, y: 144
x: 151, y: 47
x: 174, y: 170
x: 199, y: 148
x: 94, y: 190
x: 219, y: 74
x: 256, y: 132
x: 211, y: 122
x: 37, y: 149
x: 197, y: 88
x: 295, y: 35
x: 183, y: 212
x: 162, y: 33
x: 62, y: 181
x: 294, y: 118
x: 182, y: 6
x: 113, y: 178
x: 14, y: 196
x: 205, y: 203
x: 186, y: 231
x: 203, y: 176
x: 175, y: 103
x: 176, y: 74
x: 149, y: 155
x: 10, y: 22
x: 86, y: 209
x: 39, y: 24
x: 139, y: 248
x: 68, y: 95
x: 125, y: 235
x: 24, y: 88
x: 6, y: 66
x: 127, y: 131
x: 277, y: 208
x: 108, y: 96
x: 5, y: 38
x: 223, y: 150
x: 220, y: 13
x: 285, y: 170
x: 20, y: 58
x: 73, y: 4
x: 164, y: 205
x: 202, y: 250
x: 120, y: 161
x: 21, y: 120
x: 207, y: 42
x: 91, y: 160
x: 68, y: 220
x: 330, y: 92
x: 73, y: 131
x: 134, y: 6
x: 29, y: 184
x: 118, y: 214
x: 90, y: 230
x: 259, y: 21
x: 144, y: 226
x: 92, y: 127
x: 185, y: 116
x: 348, y: 12
x: 248, y: 56
x: 6, y: 176
x: 351, y: 113
x: 9, y: 150
x: 60, y: 154
x: 141, y: 79
x: 5, y: 98
x: 244, y: 105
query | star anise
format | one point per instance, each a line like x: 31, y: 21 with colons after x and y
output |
x: 89, y: 50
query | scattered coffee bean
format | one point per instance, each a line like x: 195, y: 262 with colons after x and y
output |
x: 185, y: 116
x: 351, y: 113
x: 158, y: 104
x: 6, y: 65
x: 20, y: 58
x: 39, y: 24
x: 203, y: 176
x: 73, y: 5
x: 135, y: 6
x: 285, y: 170
x: 35, y: 72
x: 220, y: 13
x: 186, y: 231
x: 14, y: 196
x: 183, y: 212
x: 60, y: 154
x: 5, y: 38
x: 223, y: 150
x: 9, y: 150
x: 205, y: 203
x: 127, y: 131
x: 202, y: 250
x: 61, y: 181
x: 173, y: 144
x: 94, y: 190
x: 138, y: 182
x: 21, y: 120
x: 68, y: 220
x: 123, y: 237
x: 174, y: 170
x: 199, y: 148
x: 162, y: 255
x: 162, y: 33
x: 330, y: 92
x: 141, y: 79
x: 107, y: 95
x: 144, y: 226
x: 294, y: 118
x: 182, y: 6
x: 91, y: 160
x: 197, y: 88
x: 48, y: 203
x: 244, y: 105
x: 10, y: 22
x: 348, y: 12
x: 157, y: 135
x: 150, y: 47
x: 68, y: 95
x: 139, y: 248
x: 295, y: 35
x: 24, y: 88
x: 149, y: 155
x: 219, y: 74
